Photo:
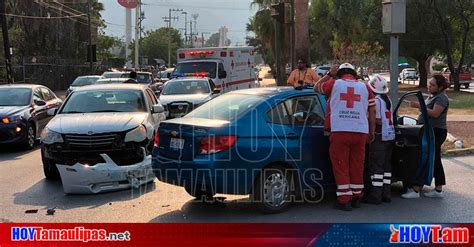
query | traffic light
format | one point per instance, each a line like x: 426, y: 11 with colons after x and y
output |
x: 278, y: 12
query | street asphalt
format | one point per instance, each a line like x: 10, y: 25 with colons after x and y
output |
x: 23, y: 187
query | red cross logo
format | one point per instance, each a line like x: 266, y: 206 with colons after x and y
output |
x: 388, y: 115
x: 350, y: 97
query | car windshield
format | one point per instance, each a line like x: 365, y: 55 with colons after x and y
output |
x: 84, y: 81
x: 186, y: 87
x: 113, y: 74
x: 197, y: 67
x: 105, y: 101
x: 15, y: 96
x: 226, y: 107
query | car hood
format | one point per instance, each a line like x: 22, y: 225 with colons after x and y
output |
x: 96, y: 123
x: 195, y: 99
x: 6, y: 111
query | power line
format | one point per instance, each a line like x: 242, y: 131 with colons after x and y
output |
x: 43, y: 17
x: 195, y: 6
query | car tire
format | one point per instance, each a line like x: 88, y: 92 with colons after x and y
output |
x: 271, y: 192
x: 199, y: 194
x: 30, y: 138
x: 466, y: 86
x: 49, y: 167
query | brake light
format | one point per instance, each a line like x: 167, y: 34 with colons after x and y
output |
x: 223, y: 54
x: 182, y: 55
x: 216, y: 144
x: 157, y: 140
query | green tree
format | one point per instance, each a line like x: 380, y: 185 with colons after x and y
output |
x: 105, y: 43
x: 155, y: 44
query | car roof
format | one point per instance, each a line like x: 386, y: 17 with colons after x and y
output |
x: 113, y: 79
x: 112, y: 86
x: 89, y: 76
x: 271, y: 91
x: 21, y: 85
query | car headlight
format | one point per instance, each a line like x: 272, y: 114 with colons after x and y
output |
x: 50, y: 137
x: 136, y: 135
x: 11, y: 119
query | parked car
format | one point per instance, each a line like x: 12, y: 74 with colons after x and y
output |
x: 101, y: 138
x: 465, y: 77
x: 408, y: 74
x: 23, y: 113
x: 82, y: 81
x: 322, y: 70
x: 261, y: 141
x: 181, y: 96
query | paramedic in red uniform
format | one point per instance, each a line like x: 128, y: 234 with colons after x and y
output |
x: 351, y: 123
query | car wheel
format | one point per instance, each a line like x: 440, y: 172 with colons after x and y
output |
x: 49, y: 167
x: 30, y: 138
x: 320, y: 75
x: 466, y: 86
x: 271, y: 191
x: 200, y: 195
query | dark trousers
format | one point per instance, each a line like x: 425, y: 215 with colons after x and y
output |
x: 379, y: 168
x: 438, y: 172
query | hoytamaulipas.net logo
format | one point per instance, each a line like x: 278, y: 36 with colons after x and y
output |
x: 429, y: 234
x: 80, y: 234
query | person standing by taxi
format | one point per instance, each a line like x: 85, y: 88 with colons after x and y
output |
x: 351, y: 123
x: 303, y: 74
x: 437, y: 105
x: 380, y: 151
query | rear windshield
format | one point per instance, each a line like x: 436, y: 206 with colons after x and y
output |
x: 113, y: 74
x: 226, y: 107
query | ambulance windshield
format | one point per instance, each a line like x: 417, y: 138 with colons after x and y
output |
x: 185, y: 68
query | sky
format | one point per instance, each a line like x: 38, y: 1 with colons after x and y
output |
x: 234, y: 14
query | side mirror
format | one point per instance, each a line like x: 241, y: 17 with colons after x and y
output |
x: 222, y: 74
x: 52, y: 112
x: 157, y: 109
x: 216, y: 91
x: 407, y: 121
x: 40, y: 102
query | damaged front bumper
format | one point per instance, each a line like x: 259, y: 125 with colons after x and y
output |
x: 105, y: 177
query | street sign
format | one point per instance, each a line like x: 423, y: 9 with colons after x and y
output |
x: 129, y: 4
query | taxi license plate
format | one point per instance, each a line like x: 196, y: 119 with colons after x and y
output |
x: 176, y: 143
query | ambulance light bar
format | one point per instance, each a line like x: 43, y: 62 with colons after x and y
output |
x: 201, y: 53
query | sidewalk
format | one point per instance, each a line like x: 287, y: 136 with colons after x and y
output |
x: 460, y: 118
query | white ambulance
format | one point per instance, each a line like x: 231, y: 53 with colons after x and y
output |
x: 230, y: 68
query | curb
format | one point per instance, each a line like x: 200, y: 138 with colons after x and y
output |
x: 458, y: 152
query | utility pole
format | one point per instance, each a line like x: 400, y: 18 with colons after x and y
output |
x: 185, y: 27
x: 168, y: 19
x: 202, y: 38
x: 137, y: 33
x: 191, y: 34
x: 89, y: 48
x: 6, y: 43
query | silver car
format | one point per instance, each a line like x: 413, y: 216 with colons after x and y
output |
x: 182, y: 95
x: 101, y: 138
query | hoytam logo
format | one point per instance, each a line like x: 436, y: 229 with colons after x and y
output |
x: 76, y: 234
x: 435, y: 234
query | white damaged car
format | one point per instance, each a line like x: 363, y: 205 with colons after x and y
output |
x: 101, y: 139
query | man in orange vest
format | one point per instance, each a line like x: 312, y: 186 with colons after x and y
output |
x: 351, y: 122
x: 302, y: 75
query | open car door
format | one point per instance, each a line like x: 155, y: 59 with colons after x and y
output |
x: 413, y: 154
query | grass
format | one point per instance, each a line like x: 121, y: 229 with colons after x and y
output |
x: 458, y: 100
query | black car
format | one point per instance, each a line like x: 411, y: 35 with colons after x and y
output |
x: 24, y: 113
